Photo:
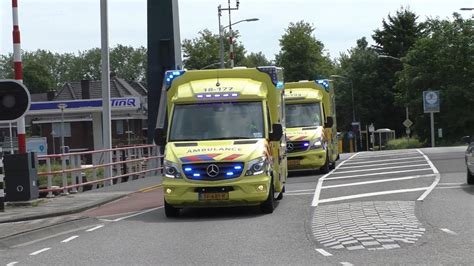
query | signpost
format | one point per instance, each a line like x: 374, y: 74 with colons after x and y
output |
x: 431, y: 104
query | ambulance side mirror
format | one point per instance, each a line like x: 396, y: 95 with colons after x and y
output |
x: 277, y: 132
x: 160, y: 136
x: 329, y: 122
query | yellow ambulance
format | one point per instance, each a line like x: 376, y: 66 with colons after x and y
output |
x: 311, y: 125
x: 223, y: 132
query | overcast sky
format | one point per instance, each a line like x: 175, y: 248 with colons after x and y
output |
x: 73, y: 25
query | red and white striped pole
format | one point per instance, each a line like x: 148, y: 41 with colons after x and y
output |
x: 21, y: 131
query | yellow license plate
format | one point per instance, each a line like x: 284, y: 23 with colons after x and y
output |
x: 293, y: 162
x: 214, y: 196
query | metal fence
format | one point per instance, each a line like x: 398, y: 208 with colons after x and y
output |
x: 77, y: 174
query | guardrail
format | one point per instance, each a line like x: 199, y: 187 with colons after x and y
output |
x: 127, y: 162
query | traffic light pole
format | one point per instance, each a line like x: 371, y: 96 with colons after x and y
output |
x: 21, y: 130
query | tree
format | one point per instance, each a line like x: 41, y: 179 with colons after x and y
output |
x: 37, y: 78
x: 302, y: 55
x: 442, y: 60
x: 129, y: 63
x: 255, y: 60
x: 203, y: 51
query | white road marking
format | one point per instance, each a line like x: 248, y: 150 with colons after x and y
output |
x: 380, y: 173
x: 378, y: 181
x: 69, y: 239
x: 385, y: 160
x: 451, y: 187
x: 446, y: 230
x: 348, y: 166
x: 371, y: 194
x: 360, y: 157
x: 317, y: 191
x: 296, y: 191
x: 323, y: 252
x: 382, y: 168
x: 301, y: 194
x: 133, y: 215
x: 345, y: 263
x: 435, y: 170
x: 95, y: 228
x: 39, y: 251
x: 451, y: 184
x: 12, y: 263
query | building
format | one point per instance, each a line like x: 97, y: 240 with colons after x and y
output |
x: 82, y: 115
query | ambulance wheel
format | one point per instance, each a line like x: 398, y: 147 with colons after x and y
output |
x: 269, y: 204
x: 325, y: 168
x: 332, y: 165
x: 280, y: 196
x: 171, y: 211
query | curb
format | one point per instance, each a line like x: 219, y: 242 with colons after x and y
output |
x: 65, y: 212
x: 40, y: 234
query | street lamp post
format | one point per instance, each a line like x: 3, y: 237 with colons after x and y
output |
x: 62, y: 106
x: 353, y: 105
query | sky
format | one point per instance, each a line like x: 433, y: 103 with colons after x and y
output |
x: 74, y: 25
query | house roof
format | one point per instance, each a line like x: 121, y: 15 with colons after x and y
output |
x: 118, y: 88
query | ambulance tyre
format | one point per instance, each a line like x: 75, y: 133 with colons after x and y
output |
x: 269, y: 204
x: 171, y: 211
x: 280, y: 196
x: 326, y: 167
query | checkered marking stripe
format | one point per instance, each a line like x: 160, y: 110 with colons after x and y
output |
x: 367, y: 225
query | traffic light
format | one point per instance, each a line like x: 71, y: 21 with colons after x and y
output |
x: 14, y: 100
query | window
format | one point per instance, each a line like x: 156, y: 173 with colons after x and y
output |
x: 57, y: 130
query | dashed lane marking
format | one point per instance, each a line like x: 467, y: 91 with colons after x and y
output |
x: 451, y: 187
x: 361, y: 157
x: 12, y: 263
x: 378, y: 181
x: 382, y: 161
x: 95, y: 228
x: 69, y: 239
x: 382, y: 168
x: 39, y: 251
x: 372, y: 194
x: 323, y: 252
x: 347, y: 166
x: 297, y: 191
x: 446, y: 230
x: 379, y: 173
x: 345, y: 263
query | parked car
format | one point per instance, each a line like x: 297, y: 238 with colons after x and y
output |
x: 470, y: 159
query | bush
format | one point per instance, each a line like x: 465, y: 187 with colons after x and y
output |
x: 403, y: 143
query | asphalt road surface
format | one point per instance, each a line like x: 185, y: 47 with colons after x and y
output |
x: 389, y: 207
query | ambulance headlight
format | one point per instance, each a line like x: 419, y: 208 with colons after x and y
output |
x: 316, y: 144
x: 171, y: 169
x: 257, y: 166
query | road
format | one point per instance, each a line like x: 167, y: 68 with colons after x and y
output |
x: 397, y: 207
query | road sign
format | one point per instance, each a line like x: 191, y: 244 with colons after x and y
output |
x: 371, y: 128
x: 431, y: 101
x: 407, y: 123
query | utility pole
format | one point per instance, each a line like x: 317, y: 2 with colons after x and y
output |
x: 221, y: 33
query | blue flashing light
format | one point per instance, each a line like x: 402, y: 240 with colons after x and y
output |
x: 217, y: 96
x: 171, y: 75
x: 306, y: 144
x: 238, y: 167
x: 188, y: 169
x: 196, y: 175
x: 279, y: 85
x: 230, y: 173
x: 200, y: 96
x: 324, y: 83
x: 234, y: 94
x: 275, y: 75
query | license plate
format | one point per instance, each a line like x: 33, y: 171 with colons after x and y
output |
x: 214, y: 196
x: 293, y: 162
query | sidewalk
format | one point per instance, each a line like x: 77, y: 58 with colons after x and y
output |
x: 62, y: 209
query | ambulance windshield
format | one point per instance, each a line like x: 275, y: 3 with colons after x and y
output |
x: 303, y: 115
x: 214, y: 121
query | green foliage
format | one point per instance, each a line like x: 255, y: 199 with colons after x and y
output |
x: 255, y: 60
x: 403, y: 143
x: 203, y: 51
x: 442, y: 60
x: 302, y: 54
x: 37, y: 78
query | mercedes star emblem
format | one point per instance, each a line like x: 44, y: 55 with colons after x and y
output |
x: 289, y: 146
x: 212, y: 170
